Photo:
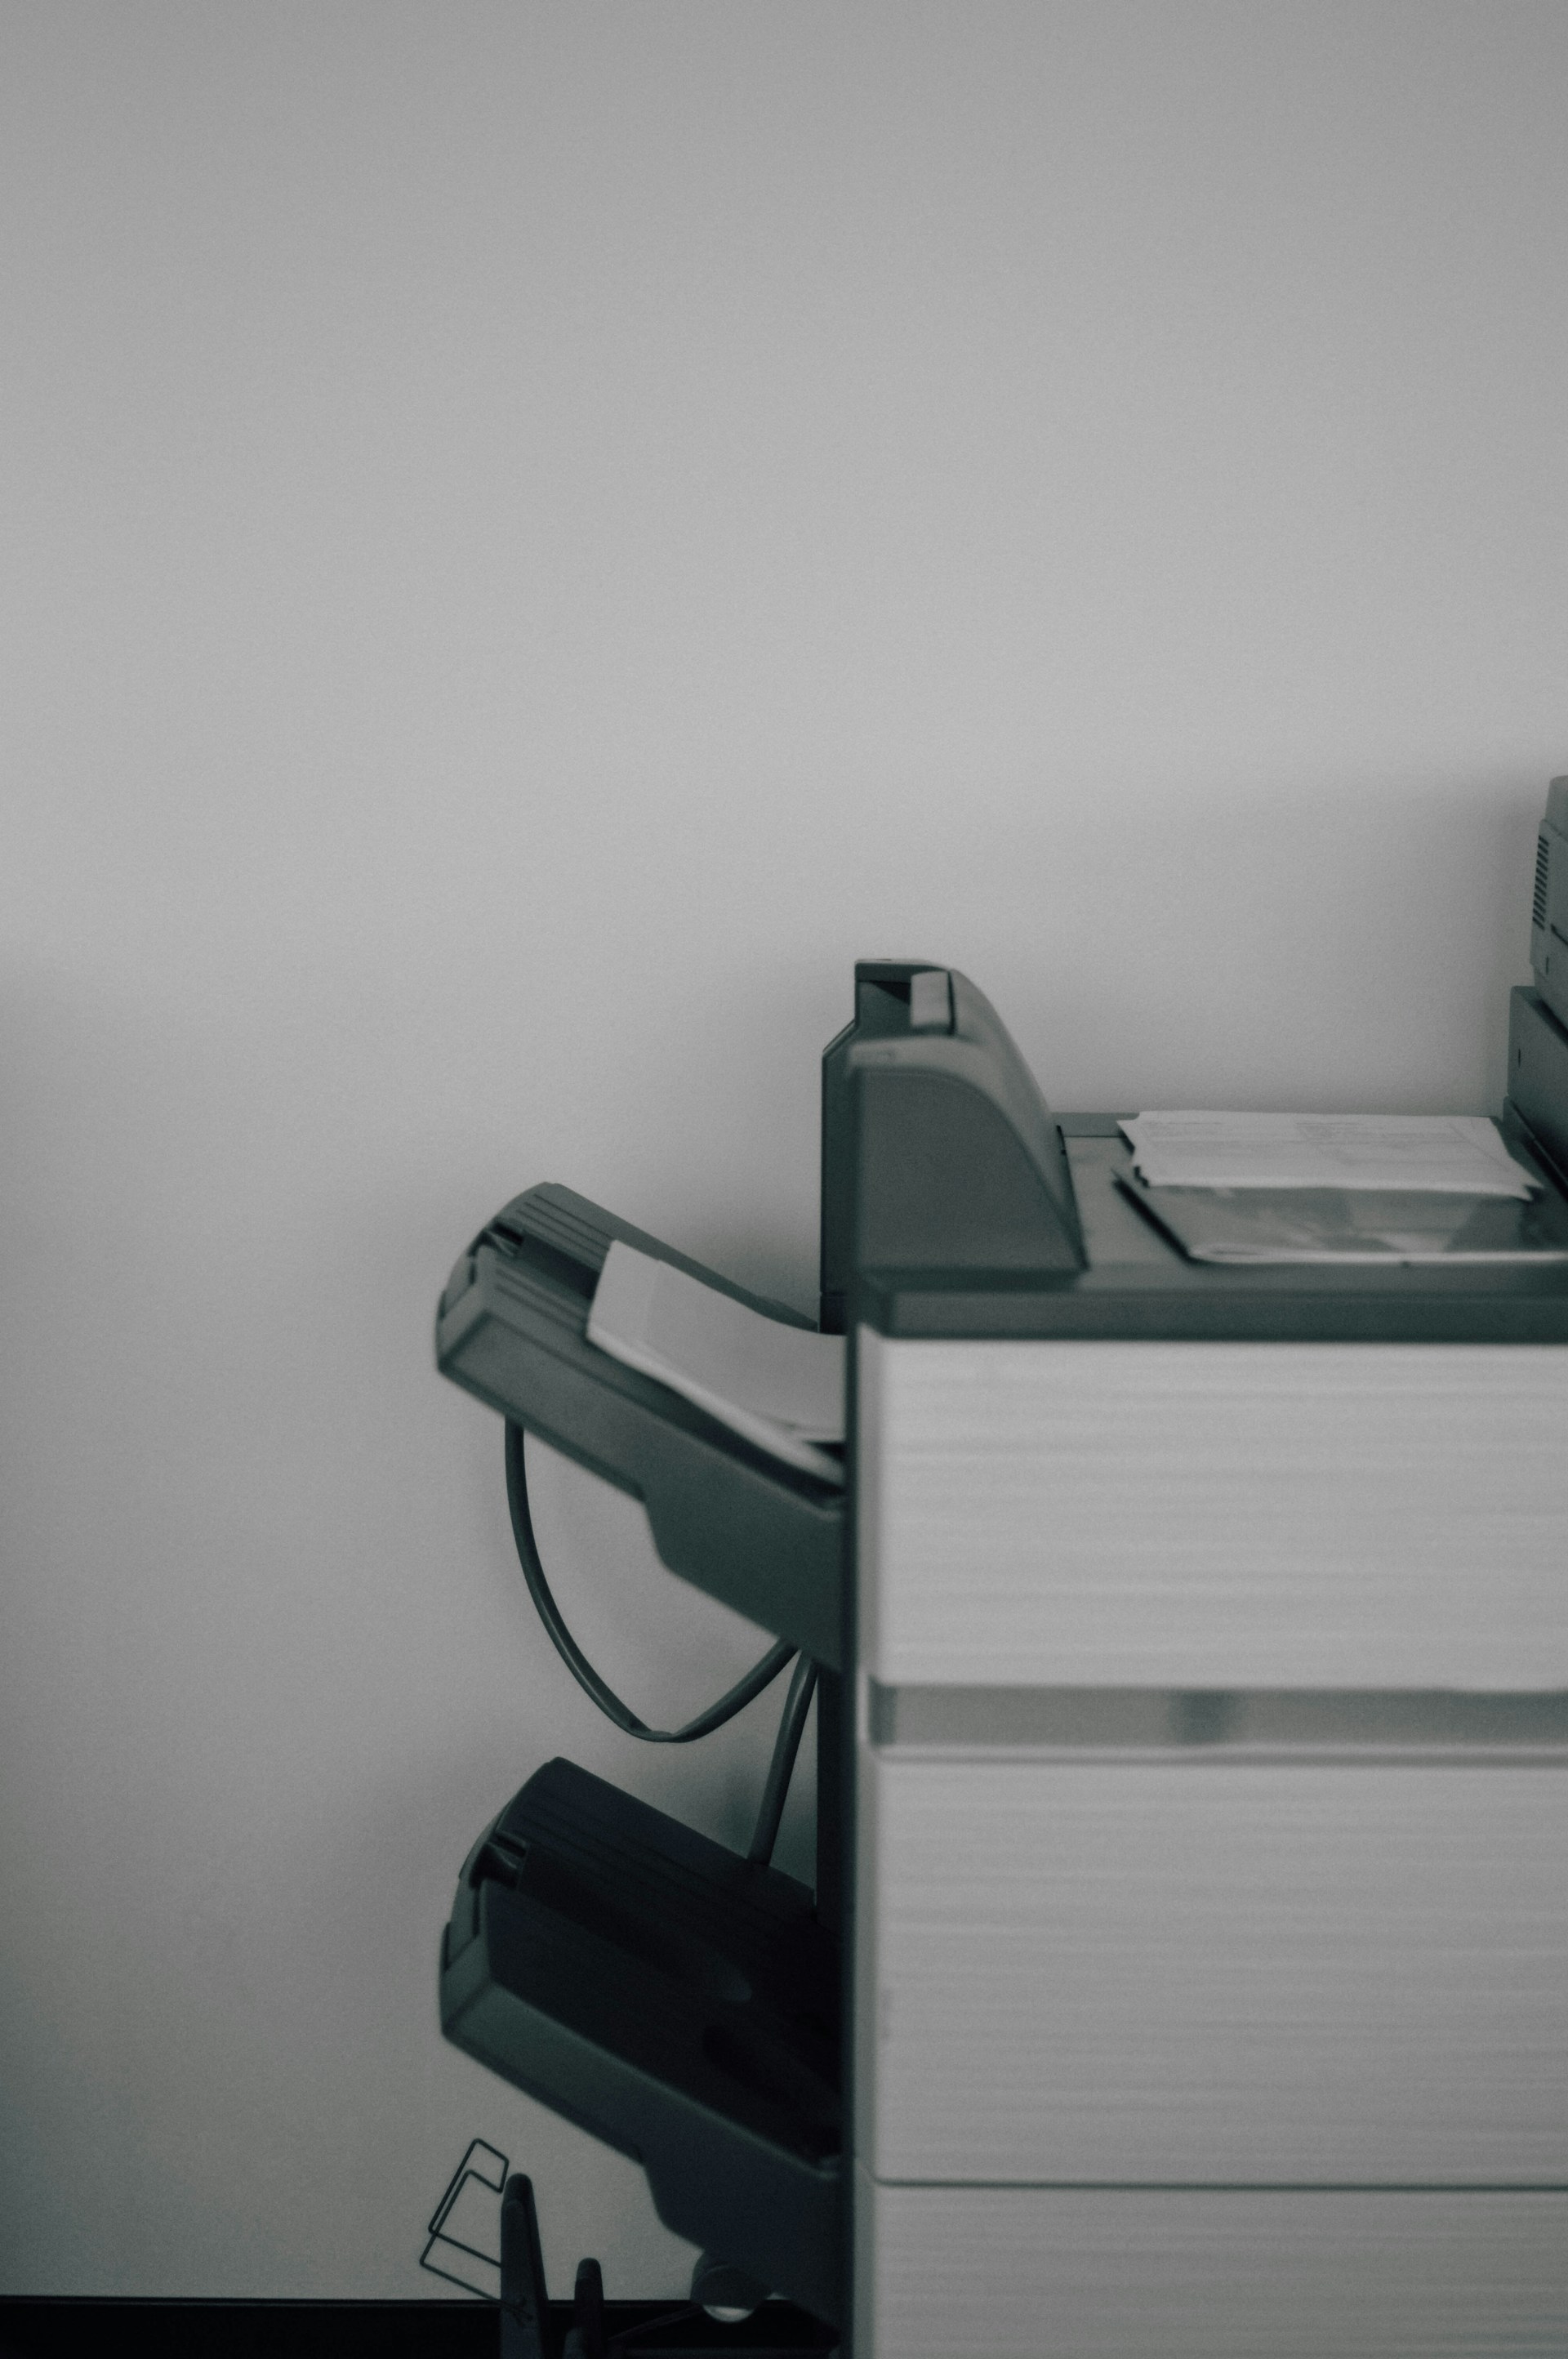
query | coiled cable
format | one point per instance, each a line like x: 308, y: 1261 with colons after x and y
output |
x: 787, y: 1744
x: 761, y: 1675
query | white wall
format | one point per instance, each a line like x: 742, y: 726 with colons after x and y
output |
x: 533, y: 536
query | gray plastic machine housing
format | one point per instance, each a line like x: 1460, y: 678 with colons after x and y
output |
x: 1549, y: 908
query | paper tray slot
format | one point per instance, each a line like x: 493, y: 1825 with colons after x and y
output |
x: 676, y: 2001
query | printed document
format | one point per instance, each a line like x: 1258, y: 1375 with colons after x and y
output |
x: 1241, y: 1227
x: 1454, y: 1154
x: 781, y: 1386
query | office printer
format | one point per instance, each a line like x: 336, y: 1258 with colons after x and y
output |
x: 1184, y: 1969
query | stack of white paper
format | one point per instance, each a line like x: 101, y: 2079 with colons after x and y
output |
x: 782, y: 1387
x: 1438, y: 1154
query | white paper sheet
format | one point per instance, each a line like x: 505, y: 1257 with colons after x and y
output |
x: 781, y: 1386
x: 1441, y: 1154
x: 1243, y: 1227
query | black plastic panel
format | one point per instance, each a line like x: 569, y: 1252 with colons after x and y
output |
x: 1538, y: 1075
x: 949, y: 1158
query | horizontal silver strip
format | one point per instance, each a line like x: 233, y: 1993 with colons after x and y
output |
x: 1294, y: 1719
x: 1501, y: 2188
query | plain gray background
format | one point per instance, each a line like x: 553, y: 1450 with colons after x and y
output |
x: 533, y: 536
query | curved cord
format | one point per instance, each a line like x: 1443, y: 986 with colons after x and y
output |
x: 787, y: 1744
x: 577, y: 1662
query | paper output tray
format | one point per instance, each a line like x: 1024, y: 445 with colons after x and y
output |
x: 767, y: 1539
x: 674, y: 2000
